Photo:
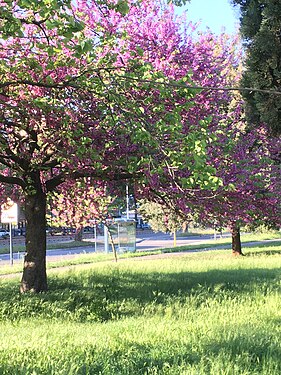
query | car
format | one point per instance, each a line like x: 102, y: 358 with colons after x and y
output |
x: 4, y: 233
x: 59, y: 231
x: 145, y: 226
x: 18, y: 231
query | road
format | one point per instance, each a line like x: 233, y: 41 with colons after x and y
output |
x: 145, y: 241
x: 150, y: 241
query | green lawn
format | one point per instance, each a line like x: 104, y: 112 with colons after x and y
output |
x: 197, y: 313
x: 55, y: 245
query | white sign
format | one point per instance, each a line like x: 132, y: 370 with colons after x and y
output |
x: 9, y: 212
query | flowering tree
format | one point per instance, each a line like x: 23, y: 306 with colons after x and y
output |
x: 246, y: 161
x: 89, y: 90
x: 105, y: 91
x: 253, y: 178
x: 184, y: 159
x: 78, y: 203
x: 250, y: 189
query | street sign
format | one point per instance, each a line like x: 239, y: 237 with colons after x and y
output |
x: 9, y: 212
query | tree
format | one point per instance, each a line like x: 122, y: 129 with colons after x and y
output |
x: 250, y: 190
x: 260, y: 27
x: 160, y: 217
x: 79, y: 203
x: 90, y: 90
x: 254, y: 185
x: 245, y: 158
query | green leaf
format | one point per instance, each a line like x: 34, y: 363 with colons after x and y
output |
x: 122, y: 7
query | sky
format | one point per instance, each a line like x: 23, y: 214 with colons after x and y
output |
x: 215, y: 14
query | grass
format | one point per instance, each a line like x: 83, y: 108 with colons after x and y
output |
x: 196, y: 313
x: 245, y: 237
x: 221, y: 241
x: 263, y: 234
x: 101, y: 257
x: 57, y: 245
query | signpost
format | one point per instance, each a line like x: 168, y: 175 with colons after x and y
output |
x: 9, y: 215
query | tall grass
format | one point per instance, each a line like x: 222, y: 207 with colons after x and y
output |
x: 197, y: 313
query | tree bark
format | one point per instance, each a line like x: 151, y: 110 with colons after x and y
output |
x: 236, y: 241
x: 78, y: 234
x: 112, y: 244
x: 34, y: 278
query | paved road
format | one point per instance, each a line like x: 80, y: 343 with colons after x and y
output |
x: 146, y: 241
x: 151, y: 241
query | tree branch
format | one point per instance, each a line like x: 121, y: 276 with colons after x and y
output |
x: 70, y: 83
x: 191, y: 87
x: 57, y: 180
x: 12, y: 180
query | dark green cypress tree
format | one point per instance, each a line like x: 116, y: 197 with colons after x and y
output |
x: 260, y: 26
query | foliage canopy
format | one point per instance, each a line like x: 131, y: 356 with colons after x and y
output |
x: 260, y: 28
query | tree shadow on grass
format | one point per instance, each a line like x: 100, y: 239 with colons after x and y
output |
x: 249, y: 353
x: 239, y: 353
x: 102, y: 297
x: 263, y: 252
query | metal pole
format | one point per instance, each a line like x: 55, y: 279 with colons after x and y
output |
x: 11, y: 246
x: 215, y: 233
x: 105, y: 232
x: 95, y: 234
x: 175, y: 238
x: 127, y: 200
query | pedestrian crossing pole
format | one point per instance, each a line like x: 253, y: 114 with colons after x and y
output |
x: 11, y: 246
x: 9, y: 215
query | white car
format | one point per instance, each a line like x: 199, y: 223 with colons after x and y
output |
x: 4, y: 233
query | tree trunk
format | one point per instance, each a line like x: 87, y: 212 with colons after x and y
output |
x: 236, y: 241
x: 78, y: 234
x: 34, y: 278
x: 112, y: 244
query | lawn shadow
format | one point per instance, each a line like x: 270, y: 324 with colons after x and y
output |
x: 240, y: 353
x: 248, y: 351
x: 94, y: 296
x: 263, y: 252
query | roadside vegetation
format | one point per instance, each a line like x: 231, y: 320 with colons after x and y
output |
x: 248, y: 237
x: 195, y: 313
x: 88, y: 258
